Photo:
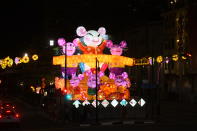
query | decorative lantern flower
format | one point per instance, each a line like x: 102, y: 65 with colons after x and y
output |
x: 159, y: 59
x: 7, y: 59
x: 35, y: 57
x: 10, y: 62
x: 1, y: 61
x: 25, y: 59
x: 3, y: 65
x: 184, y: 58
x: 17, y: 60
x: 175, y: 57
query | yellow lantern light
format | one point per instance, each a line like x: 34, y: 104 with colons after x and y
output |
x: 159, y: 59
x: 184, y: 58
x: 25, y: 59
x: 7, y: 59
x: 90, y: 59
x: 3, y: 66
x: 10, y: 63
x: 35, y: 57
x: 175, y: 57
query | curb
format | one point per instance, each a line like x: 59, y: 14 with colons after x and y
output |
x: 120, y: 123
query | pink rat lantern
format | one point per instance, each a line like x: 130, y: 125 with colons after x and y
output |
x: 69, y: 48
x: 116, y: 49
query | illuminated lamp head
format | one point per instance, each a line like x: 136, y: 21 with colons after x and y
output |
x: 116, y: 49
x: 69, y: 48
x: 76, y: 80
x: 91, y: 38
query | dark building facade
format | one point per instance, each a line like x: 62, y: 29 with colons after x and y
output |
x: 180, y: 38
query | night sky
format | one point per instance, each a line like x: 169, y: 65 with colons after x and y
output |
x: 26, y: 24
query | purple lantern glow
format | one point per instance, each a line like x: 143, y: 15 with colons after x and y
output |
x: 116, y: 49
x: 61, y: 42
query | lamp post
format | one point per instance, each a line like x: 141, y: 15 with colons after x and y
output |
x: 96, y: 91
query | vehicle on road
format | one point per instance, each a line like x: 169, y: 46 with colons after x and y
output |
x: 8, y: 114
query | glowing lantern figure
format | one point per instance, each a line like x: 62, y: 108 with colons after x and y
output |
x: 115, y: 49
x: 91, y: 42
x: 91, y: 83
x: 123, y: 83
x: 69, y: 48
x: 74, y: 86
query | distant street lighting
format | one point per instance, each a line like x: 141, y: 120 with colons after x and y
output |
x: 51, y: 42
x: 26, y: 54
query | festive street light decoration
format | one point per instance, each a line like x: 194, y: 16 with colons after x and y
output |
x: 35, y: 57
x: 17, y: 60
x: 175, y: 57
x: 10, y: 62
x: 159, y: 59
x: 25, y: 59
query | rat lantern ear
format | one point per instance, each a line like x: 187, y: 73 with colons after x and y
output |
x: 61, y: 41
x: 109, y: 44
x: 81, y: 31
x: 123, y: 44
x: 102, y: 31
x: 112, y: 76
x: 125, y: 75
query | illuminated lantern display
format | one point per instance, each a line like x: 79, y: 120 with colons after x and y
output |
x: 91, y: 42
x: 89, y: 82
x: 35, y: 57
x: 175, y: 57
x: 75, y: 89
x: 159, y: 59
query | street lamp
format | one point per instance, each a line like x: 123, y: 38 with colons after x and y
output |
x: 25, y: 54
x: 51, y: 42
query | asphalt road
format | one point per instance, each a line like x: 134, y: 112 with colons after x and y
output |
x: 175, y: 116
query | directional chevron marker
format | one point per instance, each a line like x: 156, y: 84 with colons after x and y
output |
x: 133, y: 102
x: 123, y: 102
x: 114, y: 103
x: 86, y: 102
x: 76, y: 104
x: 141, y: 102
x: 105, y: 103
x: 94, y: 103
